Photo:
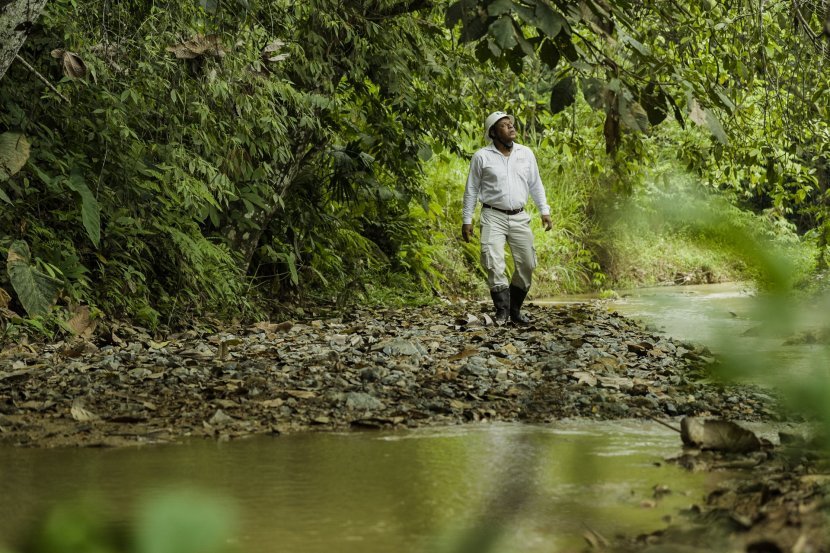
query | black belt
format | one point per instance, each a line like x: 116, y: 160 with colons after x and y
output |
x: 505, y: 211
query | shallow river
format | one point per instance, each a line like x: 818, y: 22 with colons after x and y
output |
x: 408, y: 491
x: 757, y: 337
x: 413, y: 491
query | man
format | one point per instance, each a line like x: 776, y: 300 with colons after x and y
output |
x: 502, y: 175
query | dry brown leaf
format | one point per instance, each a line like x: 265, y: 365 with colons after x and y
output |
x: 73, y: 66
x: 198, y: 45
x: 284, y: 326
x: 696, y: 113
x: 80, y: 414
x: 271, y: 403
x: 81, y: 324
x: 8, y: 313
x: 301, y: 394
x: 466, y: 352
x: 5, y: 298
x: 269, y: 53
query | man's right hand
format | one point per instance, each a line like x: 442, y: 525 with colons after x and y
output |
x: 467, y: 232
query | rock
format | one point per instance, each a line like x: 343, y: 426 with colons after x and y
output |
x: 359, y: 401
x: 404, y: 347
x: 219, y: 418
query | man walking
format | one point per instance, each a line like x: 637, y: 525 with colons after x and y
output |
x: 502, y: 175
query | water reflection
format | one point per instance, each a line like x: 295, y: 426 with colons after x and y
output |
x: 541, y: 487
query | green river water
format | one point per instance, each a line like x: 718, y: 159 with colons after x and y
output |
x: 542, y: 486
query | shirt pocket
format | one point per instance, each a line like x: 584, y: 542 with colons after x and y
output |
x: 523, y: 168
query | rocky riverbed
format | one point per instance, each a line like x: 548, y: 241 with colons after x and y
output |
x: 369, y: 369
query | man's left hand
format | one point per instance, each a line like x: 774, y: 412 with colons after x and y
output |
x: 546, y: 222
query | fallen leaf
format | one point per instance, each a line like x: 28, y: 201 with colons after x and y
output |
x: 80, y: 414
x: 301, y: 394
x: 271, y: 403
x: 467, y: 320
x: 585, y: 378
x: 157, y: 345
x: 81, y: 324
x: 284, y: 326
x: 466, y: 352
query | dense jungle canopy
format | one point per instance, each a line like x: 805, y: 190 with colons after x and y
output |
x: 165, y: 160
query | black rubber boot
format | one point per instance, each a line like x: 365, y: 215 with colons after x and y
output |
x: 501, y: 299
x: 517, y: 297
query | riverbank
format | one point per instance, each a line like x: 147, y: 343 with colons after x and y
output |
x: 397, y: 368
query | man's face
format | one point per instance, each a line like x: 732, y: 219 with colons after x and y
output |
x: 504, y: 130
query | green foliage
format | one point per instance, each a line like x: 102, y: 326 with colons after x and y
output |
x: 671, y: 232
x: 222, y: 145
x: 35, y: 289
x: 173, y: 522
x: 224, y: 156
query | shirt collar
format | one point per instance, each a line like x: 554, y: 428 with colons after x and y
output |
x: 492, y: 146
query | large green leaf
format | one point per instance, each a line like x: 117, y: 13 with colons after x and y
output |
x: 90, y: 212
x: 524, y: 44
x: 474, y: 28
x: 562, y: 95
x: 35, y: 290
x: 14, y: 152
x: 548, y: 20
x: 654, y: 100
x: 515, y: 59
x: 454, y: 14
x: 499, y: 7
x: 484, y: 52
x: 502, y: 31
x: 5, y: 197
x: 714, y: 125
x: 632, y: 115
x: 566, y: 47
x: 593, y: 90
x: 549, y: 54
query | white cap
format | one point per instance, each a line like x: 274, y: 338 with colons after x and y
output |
x: 491, y: 120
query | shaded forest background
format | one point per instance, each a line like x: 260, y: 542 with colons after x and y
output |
x: 211, y: 159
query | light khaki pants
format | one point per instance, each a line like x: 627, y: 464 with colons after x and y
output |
x: 498, y: 228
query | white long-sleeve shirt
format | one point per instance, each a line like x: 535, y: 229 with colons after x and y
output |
x: 503, y: 181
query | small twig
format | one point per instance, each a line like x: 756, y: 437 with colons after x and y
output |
x: 667, y: 425
x: 42, y: 78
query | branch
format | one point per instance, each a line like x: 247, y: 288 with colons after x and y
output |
x: 42, y: 78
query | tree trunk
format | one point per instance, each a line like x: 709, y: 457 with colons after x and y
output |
x: 16, y: 19
x: 245, y: 241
